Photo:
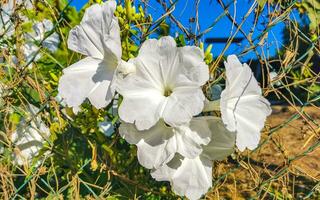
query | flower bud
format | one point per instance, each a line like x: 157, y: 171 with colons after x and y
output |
x: 208, y: 50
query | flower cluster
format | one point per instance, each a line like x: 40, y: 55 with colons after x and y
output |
x: 162, y: 100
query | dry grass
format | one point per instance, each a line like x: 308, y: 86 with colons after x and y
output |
x: 278, y: 163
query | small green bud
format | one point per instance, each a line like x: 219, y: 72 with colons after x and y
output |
x: 141, y: 11
x: 208, y: 50
x: 137, y: 16
x: 121, y: 20
x: 133, y: 10
x: 120, y: 9
x: 314, y: 37
x: 210, y: 57
x: 128, y: 8
x: 201, y: 45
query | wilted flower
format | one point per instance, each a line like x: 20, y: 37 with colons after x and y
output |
x: 166, y: 84
x: 193, y: 177
x: 97, y: 37
x: 243, y: 108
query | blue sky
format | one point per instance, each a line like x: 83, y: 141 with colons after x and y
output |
x: 209, y: 10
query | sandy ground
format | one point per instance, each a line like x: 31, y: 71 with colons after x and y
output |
x: 274, y: 170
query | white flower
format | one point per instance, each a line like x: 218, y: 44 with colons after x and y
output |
x: 29, y: 138
x: 243, y: 108
x: 97, y: 37
x: 7, y: 9
x: 193, y: 177
x: 30, y: 51
x: 30, y: 48
x: 40, y: 28
x: 158, y: 144
x: 166, y: 84
x: 188, y: 177
x: 6, y: 25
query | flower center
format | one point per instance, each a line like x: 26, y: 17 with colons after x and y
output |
x: 167, y: 92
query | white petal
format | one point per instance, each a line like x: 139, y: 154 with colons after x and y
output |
x: 153, y: 146
x: 52, y: 42
x: 189, y: 177
x: 169, y: 78
x: 141, y: 110
x: 6, y: 25
x: 141, y: 102
x: 158, y: 144
x: 157, y: 58
x: 98, y: 34
x: 38, y: 31
x: 222, y: 141
x: 182, y: 105
x: 243, y: 108
x: 30, y: 51
x: 188, y: 142
x: 89, y: 78
x: 29, y: 139
x: 192, y: 65
x: 240, y: 80
x: 250, y: 115
x: 125, y: 68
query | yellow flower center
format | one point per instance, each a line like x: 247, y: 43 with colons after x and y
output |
x: 167, y: 92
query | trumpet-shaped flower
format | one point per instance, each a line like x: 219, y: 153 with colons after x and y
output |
x: 243, y: 108
x: 97, y: 37
x: 193, y: 177
x: 158, y: 144
x: 166, y: 84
